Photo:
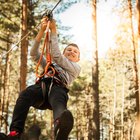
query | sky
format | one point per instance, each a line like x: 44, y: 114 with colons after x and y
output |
x: 79, y: 18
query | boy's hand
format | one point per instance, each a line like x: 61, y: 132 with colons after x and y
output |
x: 44, y: 23
x: 53, y: 26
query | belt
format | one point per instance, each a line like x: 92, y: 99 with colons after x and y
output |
x: 56, y: 80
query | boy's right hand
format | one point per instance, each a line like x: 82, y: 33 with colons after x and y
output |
x: 53, y: 26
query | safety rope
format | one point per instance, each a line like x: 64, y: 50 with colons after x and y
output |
x: 48, y: 66
x: 46, y: 46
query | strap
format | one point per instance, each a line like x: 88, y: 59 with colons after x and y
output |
x: 44, y: 90
x: 43, y: 86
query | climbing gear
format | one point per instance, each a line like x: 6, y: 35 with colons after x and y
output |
x: 43, y: 87
x: 48, y: 14
x: 63, y: 125
x: 16, y: 44
x: 47, y: 88
x: 46, y: 46
x: 44, y: 90
x: 49, y: 70
x: 60, y: 74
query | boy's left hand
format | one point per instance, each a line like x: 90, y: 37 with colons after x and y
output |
x: 44, y: 23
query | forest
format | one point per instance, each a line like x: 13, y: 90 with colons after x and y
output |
x: 104, y: 99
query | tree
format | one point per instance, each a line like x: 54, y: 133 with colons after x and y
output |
x: 95, y: 83
x: 5, y: 93
x: 9, y: 26
x: 24, y: 47
x: 138, y: 11
x: 134, y: 47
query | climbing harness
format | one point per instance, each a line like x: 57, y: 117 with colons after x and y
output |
x: 49, y: 71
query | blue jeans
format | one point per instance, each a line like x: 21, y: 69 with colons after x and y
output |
x: 33, y: 96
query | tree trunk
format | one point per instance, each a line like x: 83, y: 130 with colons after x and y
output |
x: 1, y: 94
x: 122, y: 109
x: 5, y: 93
x: 95, y: 84
x: 135, y: 69
x: 114, y: 105
x: 24, y: 47
x: 138, y: 11
x: 78, y: 123
x: 6, y: 88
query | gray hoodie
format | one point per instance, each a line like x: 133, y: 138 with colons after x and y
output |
x: 69, y: 69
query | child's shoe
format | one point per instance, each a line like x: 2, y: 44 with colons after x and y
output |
x: 64, y: 125
x: 14, y: 135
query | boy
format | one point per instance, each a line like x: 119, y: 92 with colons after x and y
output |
x: 56, y: 91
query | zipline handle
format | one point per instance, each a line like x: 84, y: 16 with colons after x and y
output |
x: 49, y: 13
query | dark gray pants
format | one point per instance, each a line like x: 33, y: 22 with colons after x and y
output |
x: 33, y: 96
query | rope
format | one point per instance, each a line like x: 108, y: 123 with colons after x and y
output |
x: 48, y: 57
x: 16, y: 45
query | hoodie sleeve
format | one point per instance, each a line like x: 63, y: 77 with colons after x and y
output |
x: 35, y: 54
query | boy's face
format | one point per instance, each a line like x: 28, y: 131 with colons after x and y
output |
x: 72, y: 53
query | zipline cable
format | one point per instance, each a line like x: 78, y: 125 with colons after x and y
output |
x: 16, y: 45
x: 56, y: 5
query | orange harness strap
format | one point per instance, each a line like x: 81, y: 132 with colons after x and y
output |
x: 48, y: 57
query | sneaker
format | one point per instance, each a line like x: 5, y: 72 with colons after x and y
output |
x: 14, y: 135
x: 64, y: 125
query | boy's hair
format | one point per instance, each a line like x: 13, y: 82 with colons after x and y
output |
x: 71, y: 44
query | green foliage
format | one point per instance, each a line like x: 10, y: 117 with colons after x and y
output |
x: 79, y: 84
x: 10, y: 15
